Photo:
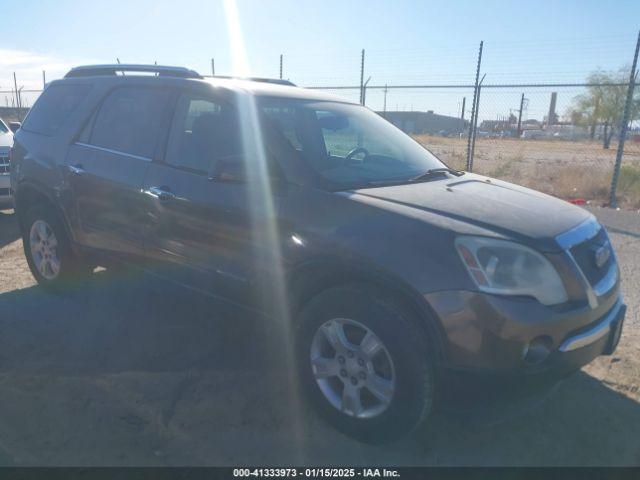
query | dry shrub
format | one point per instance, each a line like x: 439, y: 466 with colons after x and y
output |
x: 628, y: 192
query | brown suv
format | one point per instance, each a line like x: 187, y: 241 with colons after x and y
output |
x: 390, y: 272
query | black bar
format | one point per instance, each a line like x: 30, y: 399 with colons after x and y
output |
x: 375, y: 472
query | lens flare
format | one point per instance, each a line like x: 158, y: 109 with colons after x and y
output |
x: 265, y: 230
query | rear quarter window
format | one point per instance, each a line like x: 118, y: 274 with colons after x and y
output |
x: 129, y: 120
x: 53, y: 107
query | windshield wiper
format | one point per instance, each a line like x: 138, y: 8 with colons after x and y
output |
x: 435, y: 171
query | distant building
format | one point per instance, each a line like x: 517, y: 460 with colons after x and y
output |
x: 425, y: 122
x: 531, y: 123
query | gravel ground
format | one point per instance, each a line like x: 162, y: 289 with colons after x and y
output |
x: 133, y: 372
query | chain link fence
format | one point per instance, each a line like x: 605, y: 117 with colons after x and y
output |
x: 529, y: 136
x: 537, y: 135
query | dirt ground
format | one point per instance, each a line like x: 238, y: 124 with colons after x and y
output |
x: 128, y: 371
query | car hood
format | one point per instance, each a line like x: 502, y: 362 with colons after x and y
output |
x: 6, y: 140
x: 489, y: 205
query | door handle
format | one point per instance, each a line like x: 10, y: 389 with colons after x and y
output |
x: 76, y: 169
x: 160, y: 193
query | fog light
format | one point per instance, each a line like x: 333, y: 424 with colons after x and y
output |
x: 537, y: 351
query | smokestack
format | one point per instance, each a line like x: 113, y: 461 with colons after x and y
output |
x: 552, y: 118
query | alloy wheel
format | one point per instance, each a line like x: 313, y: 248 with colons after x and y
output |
x: 353, y: 368
x: 44, y: 249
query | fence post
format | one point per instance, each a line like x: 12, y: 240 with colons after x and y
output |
x: 15, y: 84
x: 623, y: 127
x: 472, y: 132
x: 280, y: 66
x: 362, y: 78
x: 384, y: 108
x: 475, y: 123
x: 364, y: 91
x: 519, y: 130
x: 213, y: 67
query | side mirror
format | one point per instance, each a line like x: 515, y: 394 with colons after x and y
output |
x: 14, y: 126
x: 234, y: 169
x: 230, y: 169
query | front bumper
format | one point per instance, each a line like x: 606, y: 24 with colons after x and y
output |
x: 493, y: 334
x: 486, y: 362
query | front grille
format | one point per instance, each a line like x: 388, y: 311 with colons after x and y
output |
x: 584, y: 255
x: 4, y: 164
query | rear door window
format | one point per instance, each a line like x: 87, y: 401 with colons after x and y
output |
x: 203, y: 131
x: 129, y: 120
x: 53, y: 107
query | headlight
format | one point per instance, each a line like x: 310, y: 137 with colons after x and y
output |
x: 507, y: 268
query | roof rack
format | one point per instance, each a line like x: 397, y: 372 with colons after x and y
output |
x: 114, y: 69
x: 276, y: 81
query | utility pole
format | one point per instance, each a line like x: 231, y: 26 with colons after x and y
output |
x: 362, y: 78
x: 213, y: 67
x: 464, y: 102
x: 280, y: 66
x: 473, y: 111
x: 519, y: 131
x: 44, y: 79
x: 624, y: 126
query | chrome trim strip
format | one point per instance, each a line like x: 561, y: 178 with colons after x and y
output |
x: 586, y: 286
x: 594, y: 334
x: 586, y: 230
x: 116, y: 152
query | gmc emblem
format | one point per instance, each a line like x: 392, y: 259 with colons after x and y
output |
x: 601, y: 255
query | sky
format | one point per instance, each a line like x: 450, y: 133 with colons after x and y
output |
x: 406, y: 42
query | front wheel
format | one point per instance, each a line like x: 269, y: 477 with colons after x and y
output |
x: 48, y: 251
x: 365, y: 363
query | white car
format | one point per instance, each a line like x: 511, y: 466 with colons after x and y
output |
x: 6, y: 141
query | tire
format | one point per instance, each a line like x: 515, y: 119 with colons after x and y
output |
x: 63, y: 270
x: 404, y: 363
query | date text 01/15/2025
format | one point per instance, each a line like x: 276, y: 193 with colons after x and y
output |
x: 316, y: 472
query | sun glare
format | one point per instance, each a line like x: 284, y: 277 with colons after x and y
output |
x: 268, y: 252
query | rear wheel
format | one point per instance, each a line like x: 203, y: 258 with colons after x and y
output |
x: 365, y: 363
x: 48, y: 251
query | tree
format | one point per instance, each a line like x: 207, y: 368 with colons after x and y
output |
x: 603, y: 103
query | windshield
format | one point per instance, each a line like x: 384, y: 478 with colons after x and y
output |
x: 348, y: 145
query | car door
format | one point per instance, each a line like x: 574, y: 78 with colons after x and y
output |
x: 199, y: 228
x: 107, y: 165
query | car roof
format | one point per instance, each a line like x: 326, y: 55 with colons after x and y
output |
x: 263, y: 87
